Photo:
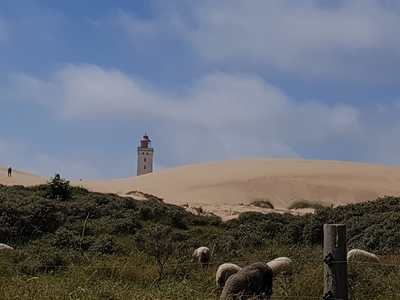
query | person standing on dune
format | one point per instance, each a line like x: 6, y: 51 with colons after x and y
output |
x: 9, y: 172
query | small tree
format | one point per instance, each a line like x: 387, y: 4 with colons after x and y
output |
x: 160, y: 242
x: 59, y: 188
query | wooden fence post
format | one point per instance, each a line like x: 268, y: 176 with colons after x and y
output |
x: 335, y: 258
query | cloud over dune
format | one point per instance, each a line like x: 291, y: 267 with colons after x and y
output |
x: 216, y: 101
x: 229, y: 108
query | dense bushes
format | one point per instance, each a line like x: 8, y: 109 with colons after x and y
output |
x: 28, y: 214
x: 28, y: 217
x: 370, y: 225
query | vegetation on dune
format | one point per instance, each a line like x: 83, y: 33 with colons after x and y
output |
x: 299, y: 204
x: 264, y: 203
x: 74, y: 244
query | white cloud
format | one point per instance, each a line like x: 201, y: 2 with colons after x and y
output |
x: 221, y: 100
x: 356, y: 40
x: 88, y: 90
x: 138, y: 28
x: 218, y: 101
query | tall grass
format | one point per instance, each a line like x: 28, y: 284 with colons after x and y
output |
x: 133, y: 275
x: 121, y: 278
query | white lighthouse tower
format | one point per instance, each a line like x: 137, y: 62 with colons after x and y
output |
x: 145, y: 156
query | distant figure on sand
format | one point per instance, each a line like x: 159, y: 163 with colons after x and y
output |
x: 9, y: 172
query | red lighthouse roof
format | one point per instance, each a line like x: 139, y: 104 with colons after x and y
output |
x: 145, y: 142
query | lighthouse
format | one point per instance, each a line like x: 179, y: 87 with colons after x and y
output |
x: 145, y: 156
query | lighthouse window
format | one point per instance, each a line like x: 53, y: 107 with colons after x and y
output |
x: 147, y: 153
x: 142, y: 152
x: 145, y: 159
x: 144, y: 167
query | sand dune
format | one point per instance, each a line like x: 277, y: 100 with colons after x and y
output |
x: 20, y: 178
x: 229, y: 187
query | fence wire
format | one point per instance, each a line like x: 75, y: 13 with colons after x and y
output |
x: 216, y: 263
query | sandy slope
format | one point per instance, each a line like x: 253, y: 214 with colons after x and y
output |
x: 20, y: 178
x: 228, y: 187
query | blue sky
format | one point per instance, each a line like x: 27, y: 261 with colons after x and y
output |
x: 82, y: 81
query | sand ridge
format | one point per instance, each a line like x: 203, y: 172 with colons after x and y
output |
x: 228, y: 187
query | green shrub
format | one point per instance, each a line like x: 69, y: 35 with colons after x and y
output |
x: 306, y: 204
x: 264, y: 203
x: 79, y: 191
x: 59, y: 189
x: 105, y: 244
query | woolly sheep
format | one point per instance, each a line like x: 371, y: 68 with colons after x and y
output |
x: 281, y: 265
x: 202, y: 255
x: 4, y: 246
x: 224, y: 272
x: 254, y: 279
x: 361, y: 255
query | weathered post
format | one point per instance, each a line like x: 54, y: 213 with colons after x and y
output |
x: 335, y: 258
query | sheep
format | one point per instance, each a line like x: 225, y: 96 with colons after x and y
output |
x: 254, y: 279
x: 224, y: 272
x: 4, y: 246
x: 203, y: 255
x: 281, y: 265
x: 361, y: 255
